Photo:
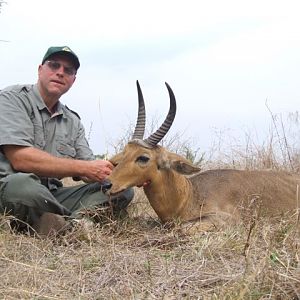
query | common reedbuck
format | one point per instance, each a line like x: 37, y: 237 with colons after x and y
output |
x: 213, y: 197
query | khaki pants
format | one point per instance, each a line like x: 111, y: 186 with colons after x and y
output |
x: 25, y: 197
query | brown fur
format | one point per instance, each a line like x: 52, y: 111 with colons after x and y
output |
x: 212, y: 197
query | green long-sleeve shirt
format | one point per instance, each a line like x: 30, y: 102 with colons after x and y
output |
x: 26, y: 121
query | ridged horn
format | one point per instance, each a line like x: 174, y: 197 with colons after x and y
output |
x: 158, y: 135
x: 141, y: 119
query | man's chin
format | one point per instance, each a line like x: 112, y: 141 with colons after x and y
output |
x: 57, y: 91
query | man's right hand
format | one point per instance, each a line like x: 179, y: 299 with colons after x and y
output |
x: 98, y: 170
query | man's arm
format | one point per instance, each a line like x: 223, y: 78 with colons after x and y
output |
x: 41, y: 163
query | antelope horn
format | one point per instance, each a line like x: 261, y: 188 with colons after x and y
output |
x: 141, y: 119
x: 157, y: 136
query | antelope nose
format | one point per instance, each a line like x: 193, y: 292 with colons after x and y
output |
x: 105, y: 185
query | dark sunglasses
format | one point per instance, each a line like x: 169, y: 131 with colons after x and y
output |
x: 55, y: 65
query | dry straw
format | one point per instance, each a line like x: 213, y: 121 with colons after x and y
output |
x: 138, y: 258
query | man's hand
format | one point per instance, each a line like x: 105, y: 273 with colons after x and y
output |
x: 98, y: 170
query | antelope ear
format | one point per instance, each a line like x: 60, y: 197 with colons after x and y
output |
x: 168, y: 160
x: 184, y: 167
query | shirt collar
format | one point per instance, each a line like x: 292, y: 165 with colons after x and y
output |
x: 41, y: 104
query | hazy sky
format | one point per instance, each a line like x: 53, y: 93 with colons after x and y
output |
x: 223, y: 59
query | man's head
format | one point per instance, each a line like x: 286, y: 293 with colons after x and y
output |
x: 57, y: 72
x: 64, y: 50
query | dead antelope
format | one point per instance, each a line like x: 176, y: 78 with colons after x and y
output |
x: 212, y: 197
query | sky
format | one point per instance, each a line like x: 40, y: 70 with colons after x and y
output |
x: 228, y: 62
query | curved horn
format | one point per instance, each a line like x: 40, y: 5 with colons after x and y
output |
x: 157, y: 136
x: 141, y: 119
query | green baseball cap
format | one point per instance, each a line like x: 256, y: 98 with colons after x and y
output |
x: 63, y: 50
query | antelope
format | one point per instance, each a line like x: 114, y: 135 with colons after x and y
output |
x: 210, y: 198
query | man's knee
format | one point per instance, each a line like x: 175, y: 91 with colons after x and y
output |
x: 20, y: 185
x: 21, y: 191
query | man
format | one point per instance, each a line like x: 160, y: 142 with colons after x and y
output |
x: 42, y: 141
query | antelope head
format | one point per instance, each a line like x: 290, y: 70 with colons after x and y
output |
x: 143, y: 162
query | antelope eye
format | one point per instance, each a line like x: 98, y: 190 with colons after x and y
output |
x: 142, y: 159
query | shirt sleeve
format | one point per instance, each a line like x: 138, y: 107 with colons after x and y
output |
x: 15, y: 123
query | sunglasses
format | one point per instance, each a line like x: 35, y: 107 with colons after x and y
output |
x: 55, y: 65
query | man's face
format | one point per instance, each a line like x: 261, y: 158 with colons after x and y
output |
x: 56, y: 75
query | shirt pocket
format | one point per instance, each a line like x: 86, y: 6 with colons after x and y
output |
x: 65, y: 149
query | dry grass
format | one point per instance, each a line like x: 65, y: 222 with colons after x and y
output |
x: 137, y: 258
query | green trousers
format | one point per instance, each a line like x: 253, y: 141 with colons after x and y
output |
x: 25, y: 197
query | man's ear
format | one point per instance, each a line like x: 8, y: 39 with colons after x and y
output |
x: 168, y: 160
x: 39, y: 69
